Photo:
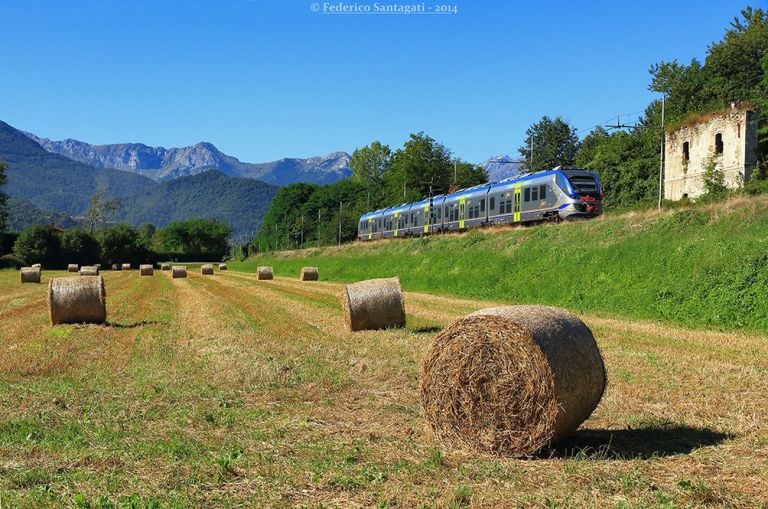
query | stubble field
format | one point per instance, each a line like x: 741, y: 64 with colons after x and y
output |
x: 227, y: 391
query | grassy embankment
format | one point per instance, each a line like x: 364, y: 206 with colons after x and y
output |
x: 698, y: 266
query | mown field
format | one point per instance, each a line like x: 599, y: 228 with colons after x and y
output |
x: 227, y: 391
x: 701, y: 265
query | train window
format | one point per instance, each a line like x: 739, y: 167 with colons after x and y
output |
x: 562, y: 183
x: 535, y: 194
x: 542, y: 192
x: 527, y: 194
x: 482, y: 205
x: 492, y: 205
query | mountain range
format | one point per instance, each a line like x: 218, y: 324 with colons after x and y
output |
x: 48, y: 186
x: 159, y: 163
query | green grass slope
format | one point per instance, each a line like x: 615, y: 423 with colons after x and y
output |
x: 699, y: 266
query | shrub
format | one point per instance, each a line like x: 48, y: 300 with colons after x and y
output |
x: 39, y: 244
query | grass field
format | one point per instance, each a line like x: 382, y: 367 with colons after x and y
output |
x: 227, y: 391
x: 701, y: 265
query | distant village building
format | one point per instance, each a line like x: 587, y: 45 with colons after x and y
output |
x: 729, y: 140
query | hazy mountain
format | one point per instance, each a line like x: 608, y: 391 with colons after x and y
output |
x: 501, y: 167
x: 160, y: 163
x: 49, y: 188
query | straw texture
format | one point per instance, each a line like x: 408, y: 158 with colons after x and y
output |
x: 309, y: 274
x: 263, y: 273
x: 222, y: 266
x: 206, y: 269
x: 30, y: 274
x: 146, y: 270
x: 72, y: 267
x: 373, y: 304
x: 89, y: 270
x: 179, y: 271
x: 126, y: 266
x: 77, y: 300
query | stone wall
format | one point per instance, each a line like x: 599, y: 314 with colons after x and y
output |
x: 684, y: 177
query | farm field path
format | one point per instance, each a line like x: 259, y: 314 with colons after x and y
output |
x: 225, y: 390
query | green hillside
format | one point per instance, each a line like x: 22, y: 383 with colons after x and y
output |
x: 700, y: 266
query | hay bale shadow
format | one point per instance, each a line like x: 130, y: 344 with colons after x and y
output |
x: 427, y: 329
x: 637, y: 443
x: 134, y: 325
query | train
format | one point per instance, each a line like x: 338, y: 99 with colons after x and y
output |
x: 551, y: 195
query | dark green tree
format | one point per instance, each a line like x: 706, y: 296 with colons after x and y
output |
x: 120, y: 244
x: 207, y: 237
x: 368, y: 165
x: 39, y: 244
x: 549, y: 143
x: 79, y: 246
x: 3, y: 200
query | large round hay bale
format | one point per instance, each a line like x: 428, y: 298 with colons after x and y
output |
x: 146, y: 270
x: 77, y: 300
x: 373, y: 304
x: 222, y: 266
x: 263, y: 273
x: 89, y: 270
x: 126, y: 266
x: 308, y: 274
x: 206, y: 269
x: 165, y: 266
x: 72, y: 267
x: 30, y: 274
x: 511, y: 380
x: 179, y: 271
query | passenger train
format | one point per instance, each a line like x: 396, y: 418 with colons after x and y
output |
x: 546, y: 195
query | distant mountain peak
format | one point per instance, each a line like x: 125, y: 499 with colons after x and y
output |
x: 160, y: 163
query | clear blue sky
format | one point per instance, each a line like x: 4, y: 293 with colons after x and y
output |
x: 265, y: 79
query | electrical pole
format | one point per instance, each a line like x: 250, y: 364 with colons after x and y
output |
x: 661, y: 152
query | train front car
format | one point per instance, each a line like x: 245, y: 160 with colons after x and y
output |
x: 584, y: 193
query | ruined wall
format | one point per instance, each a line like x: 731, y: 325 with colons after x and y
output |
x: 685, y: 177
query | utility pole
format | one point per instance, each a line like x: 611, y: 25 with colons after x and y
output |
x: 661, y: 152
x: 530, y: 144
x: 340, y: 210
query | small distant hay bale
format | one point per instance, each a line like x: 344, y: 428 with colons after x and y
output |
x: 126, y: 266
x: 77, y: 300
x: 97, y: 265
x: 146, y: 270
x: 308, y: 274
x: 222, y: 266
x: 264, y: 273
x: 511, y: 380
x: 179, y: 271
x: 72, y: 267
x: 206, y: 269
x: 89, y: 270
x: 165, y: 266
x: 373, y: 304
x: 30, y: 274
x: 37, y: 266
x: 115, y: 266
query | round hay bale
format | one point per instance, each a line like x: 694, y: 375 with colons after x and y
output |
x: 146, y: 270
x: 373, y: 304
x: 165, y: 266
x: 206, y: 269
x: 77, y: 300
x: 30, y: 274
x: 37, y: 266
x: 511, y: 380
x: 263, y: 273
x: 308, y: 274
x: 115, y: 266
x: 72, y: 267
x: 126, y: 266
x: 222, y: 266
x: 179, y: 271
x: 89, y: 271
x: 97, y: 265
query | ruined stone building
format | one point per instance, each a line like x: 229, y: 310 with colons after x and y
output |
x: 729, y: 140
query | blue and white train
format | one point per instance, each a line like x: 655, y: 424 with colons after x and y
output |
x: 546, y: 195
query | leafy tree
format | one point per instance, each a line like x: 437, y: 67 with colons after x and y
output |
x: 39, y: 244
x: 204, y: 236
x: 79, y: 246
x: 120, y: 243
x: 146, y: 234
x: 3, y: 200
x: 100, y: 210
x: 424, y: 166
x: 553, y: 143
x: 368, y: 166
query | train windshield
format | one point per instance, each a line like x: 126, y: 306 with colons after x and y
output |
x: 585, y: 184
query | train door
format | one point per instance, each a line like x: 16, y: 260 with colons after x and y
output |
x: 518, y: 188
x: 396, y: 224
x: 427, y: 217
x: 462, y: 211
x: 370, y: 228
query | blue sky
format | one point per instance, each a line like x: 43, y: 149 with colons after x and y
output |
x: 265, y: 79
